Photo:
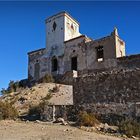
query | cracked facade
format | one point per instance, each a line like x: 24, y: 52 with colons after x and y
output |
x: 67, y: 49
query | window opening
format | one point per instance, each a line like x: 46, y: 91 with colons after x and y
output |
x: 100, y: 53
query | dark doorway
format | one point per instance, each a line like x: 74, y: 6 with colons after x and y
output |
x: 54, y: 64
x: 74, y: 63
x: 37, y: 71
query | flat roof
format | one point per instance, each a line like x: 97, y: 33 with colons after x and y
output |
x: 63, y: 12
x: 74, y: 38
x: 36, y: 51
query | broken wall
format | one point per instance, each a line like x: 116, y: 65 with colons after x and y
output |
x: 34, y: 64
x: 86, y: 52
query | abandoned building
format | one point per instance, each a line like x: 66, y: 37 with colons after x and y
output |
x: 94, y: 75
x: 67, y: 49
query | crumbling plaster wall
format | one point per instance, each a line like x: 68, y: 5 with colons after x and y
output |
x: 59, y: 28
x: 55, y: 38
x: 84, y: 49
x: 71, y: 28
x: 74, y: 49
x: 108, y: 44
x: 33, y: 58
x: 120, y: 47
x: 87, y: 55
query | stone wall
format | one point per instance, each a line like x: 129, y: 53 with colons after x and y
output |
x: 129, y: 62
x: 115, y: 91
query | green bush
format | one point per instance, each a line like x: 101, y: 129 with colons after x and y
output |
x: 130, y: 127
x: 85, y: 119
x: 7, y: 111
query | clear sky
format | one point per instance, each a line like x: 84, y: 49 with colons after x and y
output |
x: 22, y: 29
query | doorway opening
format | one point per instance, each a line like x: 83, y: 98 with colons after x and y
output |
x: 74, y: 63
x: 54, y: 64
x: 37, y: 71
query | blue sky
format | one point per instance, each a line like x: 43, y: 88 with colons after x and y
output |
x: 22, y: 29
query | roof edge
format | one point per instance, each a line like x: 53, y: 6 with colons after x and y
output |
x: 74, y: 38
x: 36, y: 51
x: 63, y: 12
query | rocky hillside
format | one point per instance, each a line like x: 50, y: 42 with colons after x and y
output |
x: 30, y: 97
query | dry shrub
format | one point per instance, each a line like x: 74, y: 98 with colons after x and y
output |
x: 85, y: 119
x: 39, y: 109
x: 47, y: 79
x: 15, y: 86
x: 130, y: 127
x: 55, y: 89
x: 7, y: 111
x: 48, y: 97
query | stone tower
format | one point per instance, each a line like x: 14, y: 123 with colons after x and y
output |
x: 59, y: 28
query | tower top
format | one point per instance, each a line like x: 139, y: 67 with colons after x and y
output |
x: 115, y: 32
x: 63, y: 13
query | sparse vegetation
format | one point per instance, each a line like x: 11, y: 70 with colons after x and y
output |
x: 12, y: 87
x: 48, y: 96
x: 47, y: 79
x: 85, y: 119
x: 130, y: 127
x: 36, y: 111
x: 39, y: 109
x: 54, y: 90
x: 7, y: 111
x: 111, y: 118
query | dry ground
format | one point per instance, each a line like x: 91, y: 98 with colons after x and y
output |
x: 11, y: 130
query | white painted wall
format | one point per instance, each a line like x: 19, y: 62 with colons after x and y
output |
x: 71, y: 28
x: 55, y: 38
x: 66, y: 29
x: 120, y: 47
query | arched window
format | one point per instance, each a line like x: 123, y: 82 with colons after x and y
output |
x: 54, y: 64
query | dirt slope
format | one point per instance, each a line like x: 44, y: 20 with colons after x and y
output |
x: 11, y: 130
